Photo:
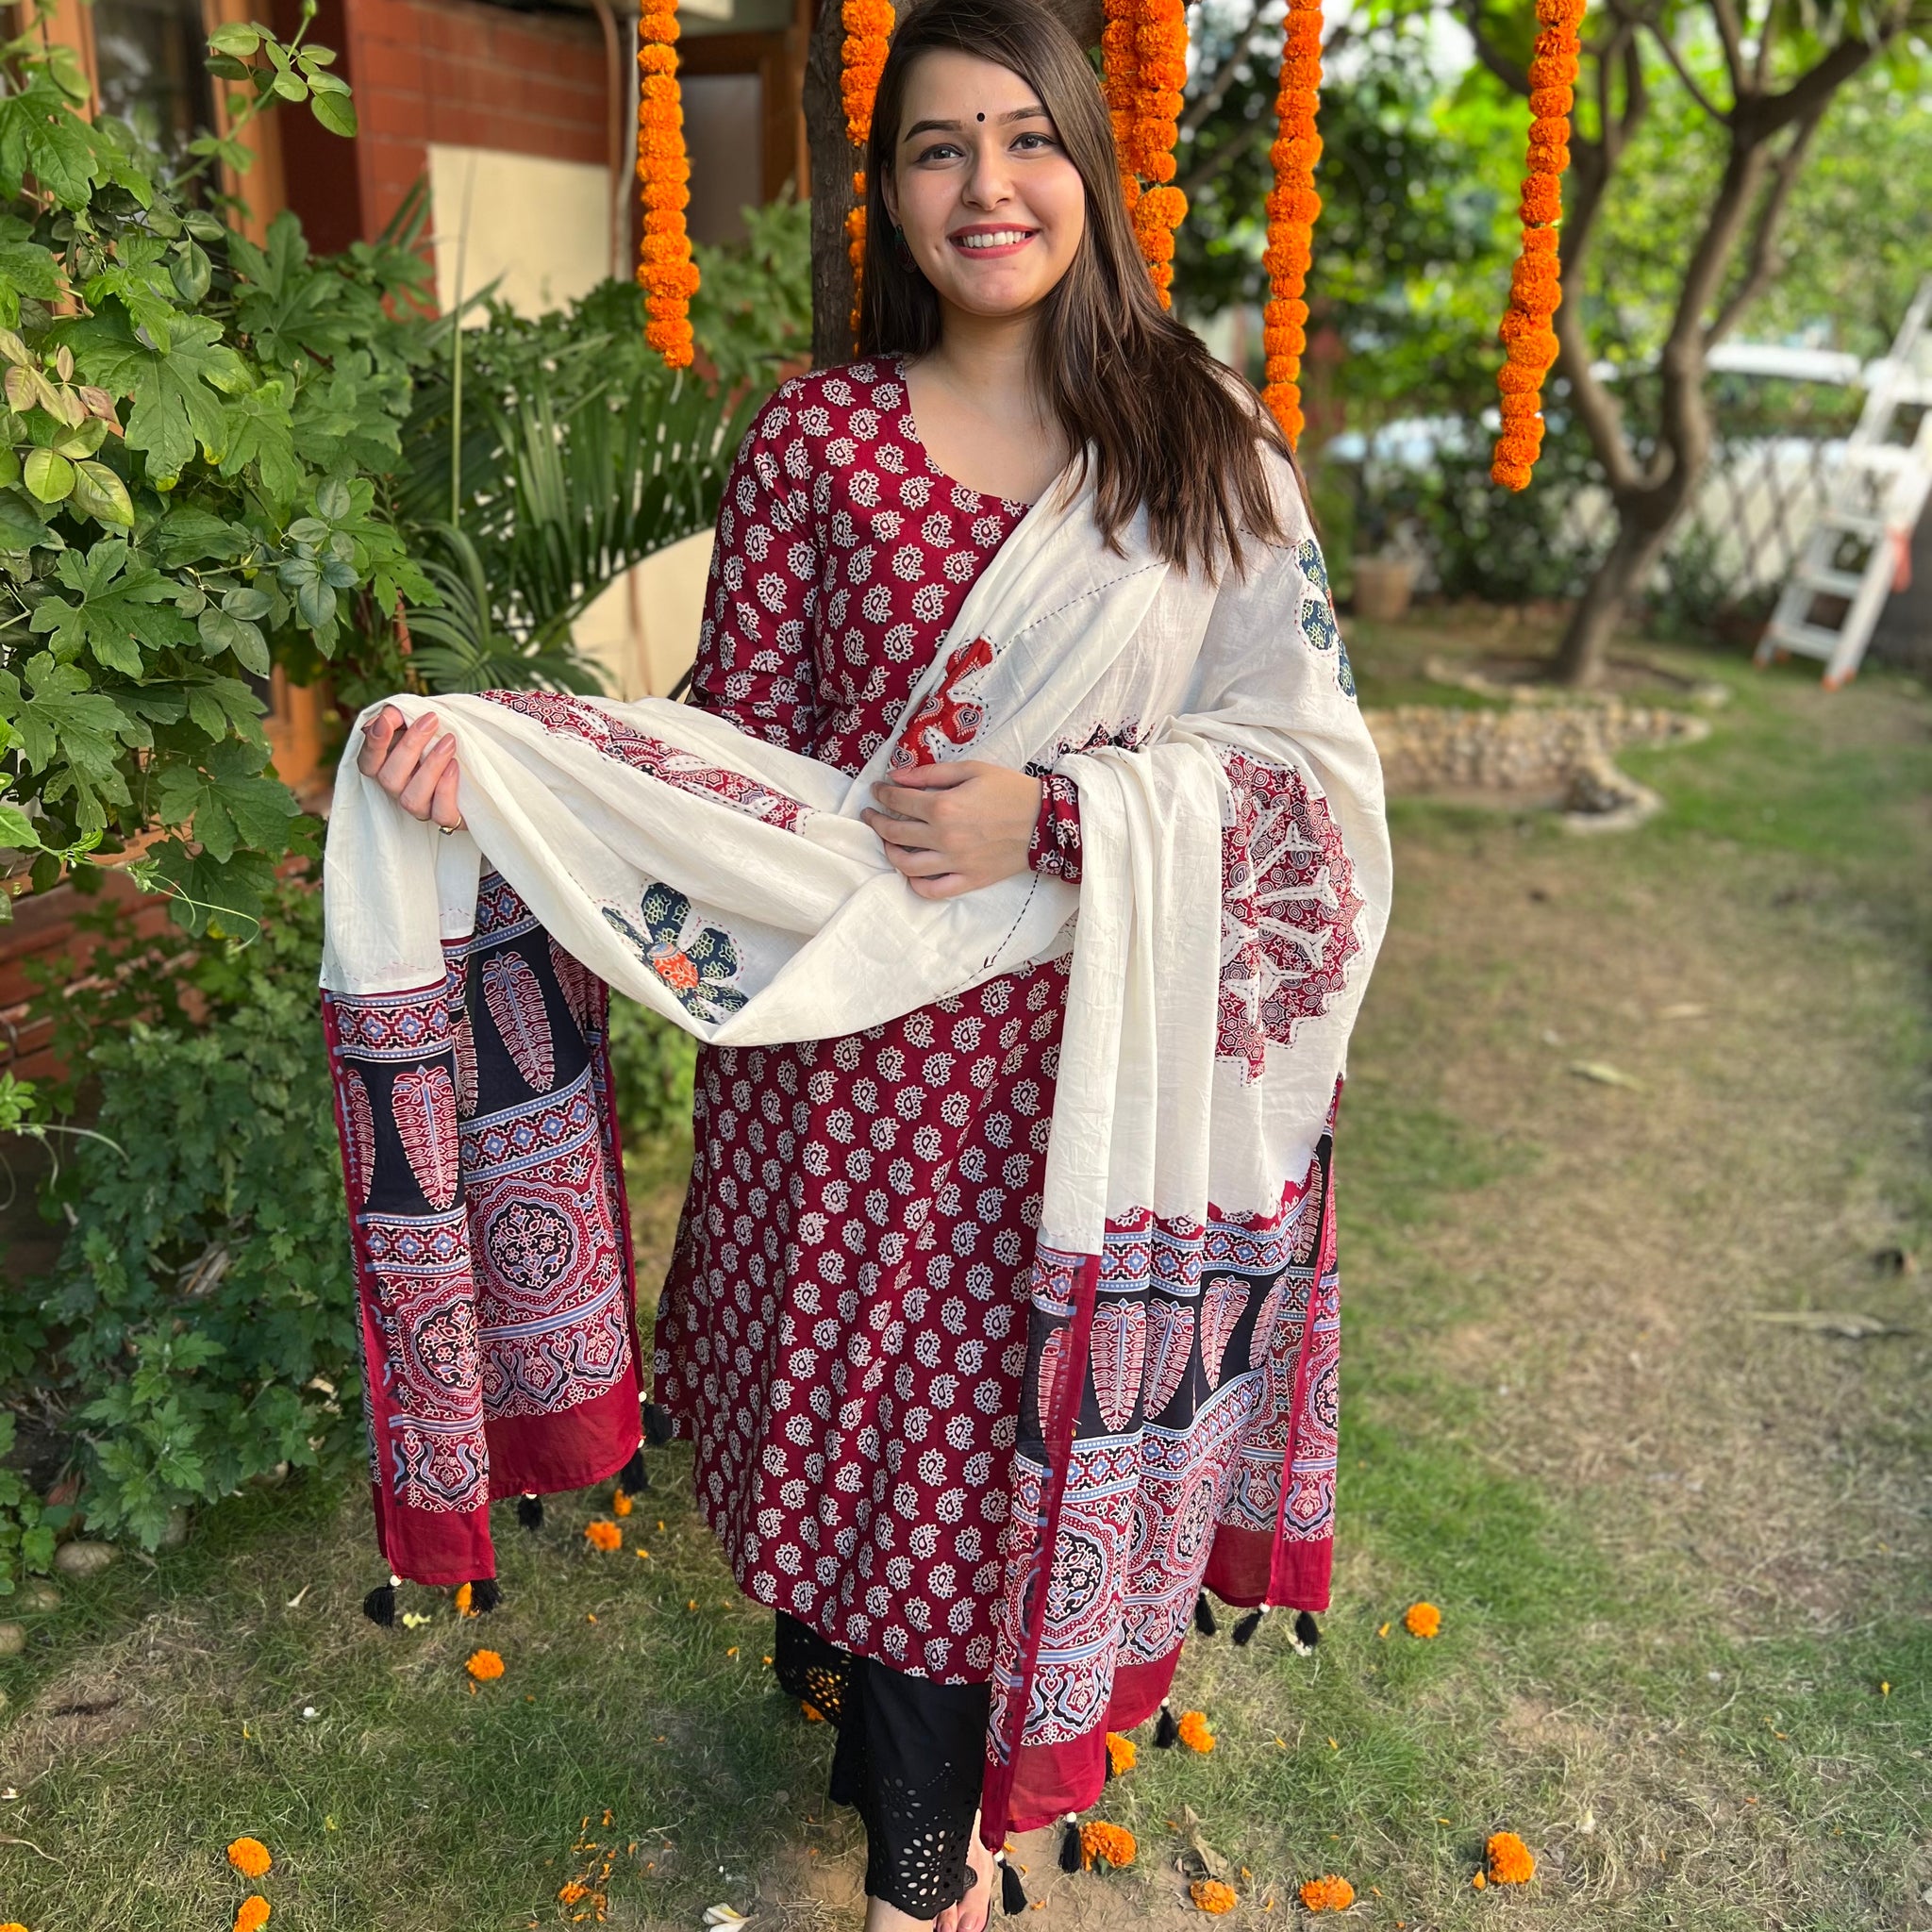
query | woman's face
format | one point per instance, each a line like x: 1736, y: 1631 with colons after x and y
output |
x: 992, y: 209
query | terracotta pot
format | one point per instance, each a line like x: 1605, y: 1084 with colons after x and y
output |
x: 1382, y: 587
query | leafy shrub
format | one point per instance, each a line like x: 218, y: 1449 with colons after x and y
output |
x: 651, y: 1064
x: 199, y: 1326
x: 186, y: 452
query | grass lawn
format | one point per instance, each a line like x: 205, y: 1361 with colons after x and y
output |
x: 1681, y: 1552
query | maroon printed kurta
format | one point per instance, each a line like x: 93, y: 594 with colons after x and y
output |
x: 844, y: 1328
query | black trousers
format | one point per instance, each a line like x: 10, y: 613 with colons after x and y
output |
x: 909, y: 1759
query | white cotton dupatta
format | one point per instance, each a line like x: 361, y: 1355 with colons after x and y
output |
x: 1235, y: 886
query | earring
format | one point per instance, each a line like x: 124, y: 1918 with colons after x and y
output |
x: 901, y: 247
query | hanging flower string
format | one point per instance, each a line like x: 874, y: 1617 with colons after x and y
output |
x: 665, y: 270
x: 1293, y: 205
x: 867, y: 28
x: 1529, y: 341
x: 1160, y: 55
x: 1120, y: 81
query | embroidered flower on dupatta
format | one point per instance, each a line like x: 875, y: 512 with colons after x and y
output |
x: 1317, y: 626
x: 699, y: 974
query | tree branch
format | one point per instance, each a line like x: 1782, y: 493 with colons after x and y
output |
x: 1811, y: 93
x: 1230, y: 151
x: 1760, y: 270
x: 1731, y: 32
x: 1204, y: 105
x: 1510, y: 72
x: 1596, y: 408
x: 1684, y: 74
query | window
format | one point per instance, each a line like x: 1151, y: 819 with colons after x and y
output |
x: 148, y: 58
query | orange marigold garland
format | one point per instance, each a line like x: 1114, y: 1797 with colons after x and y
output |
x: 1292, y: 206
x: 1529, y: 342
x: 665, y: 270
x: 1143, y: 48
x: 862, y: 59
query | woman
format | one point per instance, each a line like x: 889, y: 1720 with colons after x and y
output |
x: 859, y: 1330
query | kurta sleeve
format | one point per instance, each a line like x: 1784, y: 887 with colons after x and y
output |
x: 1055, y: 848
x: 755, y: 644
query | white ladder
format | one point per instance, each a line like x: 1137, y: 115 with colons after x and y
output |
x: 1852, y: 557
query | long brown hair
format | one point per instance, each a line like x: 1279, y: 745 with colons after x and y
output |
x: 1136, y: 393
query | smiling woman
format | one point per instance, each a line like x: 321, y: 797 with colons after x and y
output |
x: 1030, y: 591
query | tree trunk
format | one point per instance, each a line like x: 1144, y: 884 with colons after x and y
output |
x: 835, y: 160
x: 1619, y: 579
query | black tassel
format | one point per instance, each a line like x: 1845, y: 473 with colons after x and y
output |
x: 1204, y: 1616
x: 485, y: 1595
x: 379, y: 1605
x: 1109, y: 1778
x: 656, y: 1425
x: 1167, y: 1734
x: 530, y: 1511
x: 631, y: 1479
x: 1012, y: 1894
x: 1307, y: 1633
x: 1244, y: 1630
x: 1070, y: 1847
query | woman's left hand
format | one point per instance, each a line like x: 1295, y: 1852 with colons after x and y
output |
x: 952, y: 828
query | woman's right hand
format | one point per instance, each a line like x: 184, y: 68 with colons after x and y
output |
x: 415, y: 767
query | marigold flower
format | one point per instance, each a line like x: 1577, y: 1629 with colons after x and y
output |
x: 252, y: 1914
x: 1122, y: 1753
x: 1329, y: 1894
x: 1421, y: 1620
x: 665, y: 270
x: 1509, y: 1860
x: 483, y: 1665
x: 1111, y: 1844
x: 1536, y: 288
x: 248, y: 1856
x: 1194, y: 1733
x: 620, y: 1505
x: 1292, y: 209
x: 601, y: 1535
x: 1210, y: 1895
x: 862, y: 58
x: 1143, y: 49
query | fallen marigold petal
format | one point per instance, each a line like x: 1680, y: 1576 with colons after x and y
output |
x: 1421, y: 1620
x: 248, y: 1856
x: 484, y: 1665
x: 1210, y: 1895
x: 568, y: 1894
x: 252, y: 1914
x: 1509, y: 1860
x: 1194, y: 1733
x: 1331, y: 1893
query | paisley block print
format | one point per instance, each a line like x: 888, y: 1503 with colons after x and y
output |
x: 945, y: 722
x: 1222, y: 1305
x: 698, y: 973
x: 515, y: 1003
x: 1288, y: 910
x: 424, y: 1105
x: 1170, y: 1349
x: 684, y: 770
x: 492, y: 1264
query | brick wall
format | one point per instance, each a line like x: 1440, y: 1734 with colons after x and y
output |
x: 454, y: 71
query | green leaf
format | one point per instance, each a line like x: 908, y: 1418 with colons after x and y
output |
x: 177, y: 394
x: 333, y: 501
x: 17, y: 830
x: 248, y: 603
x: 191, y: 272
x: 259, y: 433
x: 40, y: 135
x: 227, y: 802
x: 190, y: 534
x: 50, y: 477
x: 100, y: 493
x: 31, y: 269
x: 124, y: 606
x: 20, y: 528
x: 221, y: 632
x: 70, y: 731
x: 236, y: 38
x: 292, y: 87
x: 336, y: 113
x: 223, y: 705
